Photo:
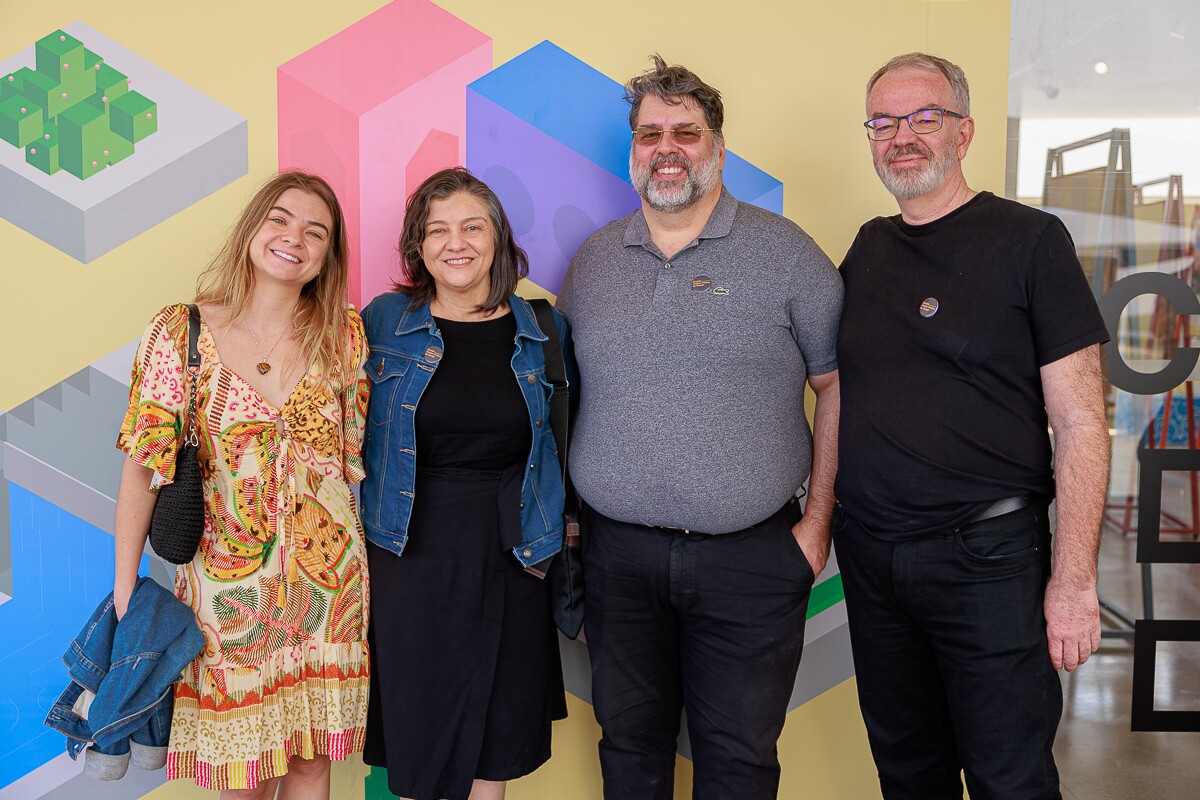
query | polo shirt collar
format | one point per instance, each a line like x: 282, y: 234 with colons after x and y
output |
x: 720, y: 222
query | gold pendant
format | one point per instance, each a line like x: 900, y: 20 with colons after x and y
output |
x: 263, y: 368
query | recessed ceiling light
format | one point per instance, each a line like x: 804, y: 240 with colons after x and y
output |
x: 1100, y: 68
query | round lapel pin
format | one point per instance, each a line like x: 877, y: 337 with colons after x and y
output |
x: 929, y: 307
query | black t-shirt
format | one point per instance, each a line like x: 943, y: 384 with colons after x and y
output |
x: 943, y: 412
x: 472, y: 414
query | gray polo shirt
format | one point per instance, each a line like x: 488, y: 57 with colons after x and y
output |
x: 693, y: 369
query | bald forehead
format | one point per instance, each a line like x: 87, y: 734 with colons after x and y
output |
x: 907, y: 89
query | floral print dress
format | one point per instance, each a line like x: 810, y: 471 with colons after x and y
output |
x: 279, y: 584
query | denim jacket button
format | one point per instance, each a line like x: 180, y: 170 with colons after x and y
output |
x: 538, y: 423
x: 527, y: 553
x: 531, y: 466
x: 531, y: 379
x: 521, y: 505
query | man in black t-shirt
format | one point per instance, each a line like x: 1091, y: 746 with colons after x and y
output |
x: 968, y: 326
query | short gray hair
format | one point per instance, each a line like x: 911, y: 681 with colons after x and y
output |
x: 951, y: 72
x: 669, y: 83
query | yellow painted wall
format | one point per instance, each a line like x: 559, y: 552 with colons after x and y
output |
x: 792, y: 73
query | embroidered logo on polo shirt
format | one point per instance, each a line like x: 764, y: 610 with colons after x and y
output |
x: 703, y: 283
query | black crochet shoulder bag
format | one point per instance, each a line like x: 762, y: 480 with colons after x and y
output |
x: 178, y: 521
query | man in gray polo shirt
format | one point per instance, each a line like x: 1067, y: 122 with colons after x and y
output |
x: 697, y: 321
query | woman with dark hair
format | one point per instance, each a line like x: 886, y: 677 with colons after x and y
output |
x: 279, y: 583
x: 463, y: 501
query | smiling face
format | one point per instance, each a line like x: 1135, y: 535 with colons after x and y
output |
x: 671, y: 177
x: 291, y: 243
x: 459, y: 246
x: 912, y: 165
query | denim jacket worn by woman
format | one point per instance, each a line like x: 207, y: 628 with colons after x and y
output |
x: 122, y: 676
x: 406, y: 347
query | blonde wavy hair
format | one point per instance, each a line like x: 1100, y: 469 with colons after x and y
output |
x: 228, y: 280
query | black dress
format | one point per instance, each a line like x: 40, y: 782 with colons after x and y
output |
x: 465, y: 670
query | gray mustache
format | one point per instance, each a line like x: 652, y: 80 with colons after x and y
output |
x: 909, y: 150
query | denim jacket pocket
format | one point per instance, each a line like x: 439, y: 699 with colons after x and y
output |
x: 385, y: 371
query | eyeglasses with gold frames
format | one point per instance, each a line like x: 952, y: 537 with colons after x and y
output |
x: 683, y: 135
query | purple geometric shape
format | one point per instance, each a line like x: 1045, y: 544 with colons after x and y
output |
x: 530, y: 169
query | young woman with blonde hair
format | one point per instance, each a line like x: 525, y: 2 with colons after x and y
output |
x: 279, y: 583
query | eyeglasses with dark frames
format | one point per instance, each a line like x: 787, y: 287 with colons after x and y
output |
x: 921, y: 121
x: 684, y: 134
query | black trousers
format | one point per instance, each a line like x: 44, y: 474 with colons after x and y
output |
x: 949, y: 640
x: 713, y: 624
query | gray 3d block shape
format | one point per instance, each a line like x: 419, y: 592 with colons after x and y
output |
x: 200, y: 147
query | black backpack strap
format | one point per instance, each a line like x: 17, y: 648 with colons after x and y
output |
x: 556, y: 374
x: 560, y: 412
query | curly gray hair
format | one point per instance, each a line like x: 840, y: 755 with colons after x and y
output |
x: 670, y: 83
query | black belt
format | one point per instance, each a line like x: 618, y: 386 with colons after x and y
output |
x: 1001, y: 507
x: 793, y: 502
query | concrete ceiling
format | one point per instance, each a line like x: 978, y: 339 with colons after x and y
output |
x: 1151, y: 48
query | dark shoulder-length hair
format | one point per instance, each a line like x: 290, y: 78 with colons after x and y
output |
x: 509, y: 264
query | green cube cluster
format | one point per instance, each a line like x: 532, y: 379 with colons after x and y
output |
x: 133, y: 116
x: 73, y: 111
x: 21, y: 120
x: 9, y: 86
x: 43, y: 152
x: 83, y: 136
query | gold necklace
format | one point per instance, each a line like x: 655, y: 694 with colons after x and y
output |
x: 264, y: 365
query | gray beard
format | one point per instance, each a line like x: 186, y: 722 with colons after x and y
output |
x: 911, y: 184
x: 699, y: 182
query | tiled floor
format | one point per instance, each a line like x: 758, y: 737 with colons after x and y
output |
x: 1098, y: 756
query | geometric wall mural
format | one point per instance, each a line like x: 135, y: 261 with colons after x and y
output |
x: 95, y: 99
x: 375, y: 107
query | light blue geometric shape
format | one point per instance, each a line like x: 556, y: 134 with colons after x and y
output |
x: 62, y: 569
x: 544, y: 86
x: 585, y: 110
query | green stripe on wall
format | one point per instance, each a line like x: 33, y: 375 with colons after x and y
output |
x: 825, y: 594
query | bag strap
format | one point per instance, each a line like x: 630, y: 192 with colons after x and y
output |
x: 556, y: 374
x: 560, y: 409
x: 193, y: 369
